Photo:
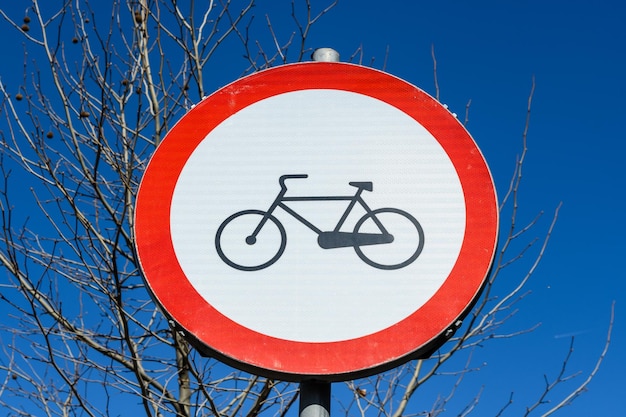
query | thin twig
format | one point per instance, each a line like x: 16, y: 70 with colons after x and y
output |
x: 583, y: 386
x: 432, y: 53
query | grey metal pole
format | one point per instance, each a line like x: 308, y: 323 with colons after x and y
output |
x: 325, y: 55
x: 314, y: 399
x: 315, y: 395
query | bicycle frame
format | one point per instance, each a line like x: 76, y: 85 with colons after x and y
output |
x: 280, y: 200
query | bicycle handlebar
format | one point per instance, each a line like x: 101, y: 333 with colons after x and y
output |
x: 282, y: 179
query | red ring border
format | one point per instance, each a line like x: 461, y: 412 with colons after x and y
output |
x: 252, y: 351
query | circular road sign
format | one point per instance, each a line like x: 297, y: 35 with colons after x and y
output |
x: 317, y: 220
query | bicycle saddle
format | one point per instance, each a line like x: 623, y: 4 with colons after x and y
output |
x: 367, y: 185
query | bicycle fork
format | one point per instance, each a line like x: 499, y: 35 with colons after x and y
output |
x: 251, y: 240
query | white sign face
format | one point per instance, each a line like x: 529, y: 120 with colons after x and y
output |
x: 311, y: 294
x: 311, y: 211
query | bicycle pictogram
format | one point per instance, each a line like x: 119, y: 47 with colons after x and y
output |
x: 251, y: 240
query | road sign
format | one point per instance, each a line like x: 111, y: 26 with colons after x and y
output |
x: 316, y: 220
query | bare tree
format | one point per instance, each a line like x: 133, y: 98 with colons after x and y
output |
x: 98, y: 91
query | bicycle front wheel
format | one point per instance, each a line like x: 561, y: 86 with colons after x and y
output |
x: 237, y: 246
x: 405, y: 246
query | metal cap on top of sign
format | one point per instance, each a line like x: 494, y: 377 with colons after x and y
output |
x: 317, y: 220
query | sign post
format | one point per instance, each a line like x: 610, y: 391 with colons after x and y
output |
x: 314, y: 399
x: 317, y: 184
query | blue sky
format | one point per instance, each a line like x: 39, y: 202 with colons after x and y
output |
x: 488, y: 52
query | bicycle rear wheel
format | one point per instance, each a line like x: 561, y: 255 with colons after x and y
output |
x: 239, y: 249
x: 403, y: 249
